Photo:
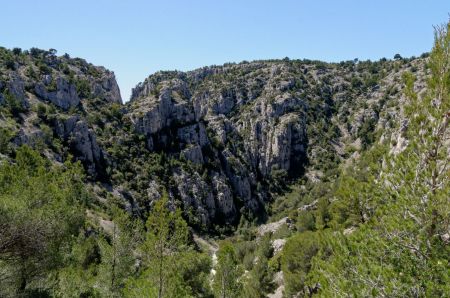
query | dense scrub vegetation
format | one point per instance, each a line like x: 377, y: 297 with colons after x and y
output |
x: 375, y: 226
x: 382, y: 228
x: 51, y: 246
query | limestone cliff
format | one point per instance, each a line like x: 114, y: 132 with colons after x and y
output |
x: 220, y: 140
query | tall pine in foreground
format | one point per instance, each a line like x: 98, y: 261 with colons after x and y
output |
x: 166, y: 239
x: 117, y: 258
x: 402, y: 249
x: 226, y: 283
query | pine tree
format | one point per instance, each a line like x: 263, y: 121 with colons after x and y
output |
x: 258, y: 282
x: 417, y: 180
x: 117, y: 255
x: 402, y: 249
x: 166, y: 240
x: 226, y: 282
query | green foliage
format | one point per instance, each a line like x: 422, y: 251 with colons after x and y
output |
x: 195, y: 270
x: 356, y: 82
x: 44, y: 68
x: 42, y: 111
x: 277, y: 180
x: 226, y: 281
x: 17, y: 51
x: 101, y: 263
x: 6, y: 134
x: 367, y: 132
x: 258, y: 282
x: 40, y: 212
x: 141, y: 287
x: 79, y: 278
x: 167, y: 235
x: 171, y: 267
x: 397, y: 209
x: 31, y: 73
x: 10, y: 63
x: 296, y: 260
x: 13, y: 104
x: 117, y: 259
x: 52, y: 86
x: 305, y: 221
x: 83, y: 88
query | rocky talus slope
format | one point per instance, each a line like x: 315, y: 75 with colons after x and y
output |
x: 220, y: 140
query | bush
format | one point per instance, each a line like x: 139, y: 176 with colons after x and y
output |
x: 296, y: 260
x: 35, y: 52
x: 305, y: 221
x: 44, y: 203
x: 17, y: 51
x: 6, y: 135
x: 14, y: 105
x: 41, y: 111
x: 83, y: 88
x: 44, y: 69
x: 277, y: 181
x: 10, y: 63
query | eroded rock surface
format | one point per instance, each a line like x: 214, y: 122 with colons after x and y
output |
x: 219, y: 140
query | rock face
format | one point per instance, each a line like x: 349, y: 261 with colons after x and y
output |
x: 14, y: 87
x: 82, y: 140
x: 106, y: 87
x: 251, y: 126
x: 218, y: 140
x: 64, y: 96
x: 62, y: 90
x: 200, y: 126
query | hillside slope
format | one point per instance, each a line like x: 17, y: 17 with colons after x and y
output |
x: 222, y: 140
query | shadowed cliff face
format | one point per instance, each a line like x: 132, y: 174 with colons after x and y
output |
x: 221, y: 140
x: 241, y: 129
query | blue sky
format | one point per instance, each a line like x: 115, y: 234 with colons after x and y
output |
x: 136, y: 38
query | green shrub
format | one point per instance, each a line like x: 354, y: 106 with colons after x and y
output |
x: 6, y: 134
x: 44, y: 68
x: 13, y: 104
x: 83, y: 88
x: 296, y: 260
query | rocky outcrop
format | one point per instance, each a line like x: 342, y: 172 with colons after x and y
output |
x: 279, y: 145
x: 220, y: 140
x: 106, y: 87
x: 223, y: 198
x: 202, y: 126
x: 83, y: 142
x: 208, y: 200
x: 278, y: 245
x: 64, y: 94
x: 273, y: 226
x: 30, y: 138
x: 16, y: 87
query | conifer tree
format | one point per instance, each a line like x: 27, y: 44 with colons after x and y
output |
x: 403, y: 248
x: 166, y: 240
x: 226, y: 282
x: 117, y: 256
